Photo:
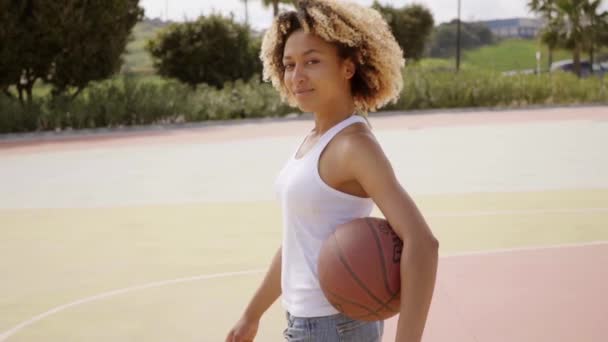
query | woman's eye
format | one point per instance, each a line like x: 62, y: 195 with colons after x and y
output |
x: 291, y: 66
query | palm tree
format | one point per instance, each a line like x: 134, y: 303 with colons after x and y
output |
x: 550, y: 37
x: 275, y: 5
x: 246, y: 3
x: 549, y: 34
x: 571, y: 24
x: 598, y: 26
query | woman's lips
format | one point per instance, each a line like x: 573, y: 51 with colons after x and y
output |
x: 303, y: 92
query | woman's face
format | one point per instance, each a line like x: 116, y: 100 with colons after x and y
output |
x: 315, y: 74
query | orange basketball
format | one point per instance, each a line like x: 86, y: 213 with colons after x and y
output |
x: 359, y: 269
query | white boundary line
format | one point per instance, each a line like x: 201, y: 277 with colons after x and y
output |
x: 524, y: 249
x: 5, y: 335
x: 517, y: 212
x: 109, y: 294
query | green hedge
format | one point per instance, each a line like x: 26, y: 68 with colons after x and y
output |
x: 126, y: 101
x: 129, y: 101
x: 429, y: 88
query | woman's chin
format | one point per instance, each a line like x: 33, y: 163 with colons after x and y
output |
x: 306, y: 107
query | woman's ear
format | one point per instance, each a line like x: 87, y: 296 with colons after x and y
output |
x: 349, y: 69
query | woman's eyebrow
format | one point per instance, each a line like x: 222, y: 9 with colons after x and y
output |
x: 304, y: 54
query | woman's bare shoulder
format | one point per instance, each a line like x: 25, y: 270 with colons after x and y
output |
x: 355, y: 135
x: 358, y: 141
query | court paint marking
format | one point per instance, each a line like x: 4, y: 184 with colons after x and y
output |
x: 5, y: 335
x: 519, y: 212
x: 113, y: 293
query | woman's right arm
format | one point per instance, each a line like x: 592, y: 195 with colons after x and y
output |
x: 268, y: 292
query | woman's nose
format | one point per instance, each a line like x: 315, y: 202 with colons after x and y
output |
x: 298, y: 75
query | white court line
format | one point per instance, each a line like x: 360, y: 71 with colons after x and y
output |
x: 5, y: 335
x: 524, y: 249
x: 519, y: 212
x: 109, y: 294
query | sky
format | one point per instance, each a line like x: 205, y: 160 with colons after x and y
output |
x: 260, y: 17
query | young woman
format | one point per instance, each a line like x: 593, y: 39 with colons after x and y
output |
x: 339, y: 61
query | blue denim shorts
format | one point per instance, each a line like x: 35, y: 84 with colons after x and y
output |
x: 334, y: 328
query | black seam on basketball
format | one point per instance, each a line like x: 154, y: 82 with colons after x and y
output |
x: 380, y: 254
x: 373, y: 313
x: 342, y: 299
x: 393, y: 296
x: 355, y: 276
x: 380, y: 308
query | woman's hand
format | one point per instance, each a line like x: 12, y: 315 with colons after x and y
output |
x: 243, y: 331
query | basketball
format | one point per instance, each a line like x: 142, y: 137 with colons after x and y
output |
x: 359, y: 269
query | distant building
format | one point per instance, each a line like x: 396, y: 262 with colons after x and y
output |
x: 514, y: 28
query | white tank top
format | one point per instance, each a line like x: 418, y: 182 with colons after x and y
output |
x: 311, y: 211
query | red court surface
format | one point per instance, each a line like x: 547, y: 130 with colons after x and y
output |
x: 543, y: 295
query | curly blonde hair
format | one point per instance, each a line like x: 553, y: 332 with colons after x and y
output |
x: 359, y: 32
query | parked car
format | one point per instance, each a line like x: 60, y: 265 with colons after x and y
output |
x: 587, y: 69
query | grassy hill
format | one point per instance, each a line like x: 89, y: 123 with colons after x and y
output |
x: 512, y: 54
x: 136, y: 57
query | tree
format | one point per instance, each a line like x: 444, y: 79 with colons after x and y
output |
x: 597, y: 29
x: 275, y: 5
x: 443, y: 40
x: 572, y: 24
x: 411, y: 25
x: 210, y: 50
x: 65, y: 43
x: 549, y: 35
x: 10, y: 72
x: 246, y: 4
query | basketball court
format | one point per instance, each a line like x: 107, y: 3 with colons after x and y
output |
x: 163, y: 234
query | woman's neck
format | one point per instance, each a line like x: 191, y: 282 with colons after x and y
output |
x: 330, y: 116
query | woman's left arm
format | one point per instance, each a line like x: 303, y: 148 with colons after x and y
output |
x: 368, y: 164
